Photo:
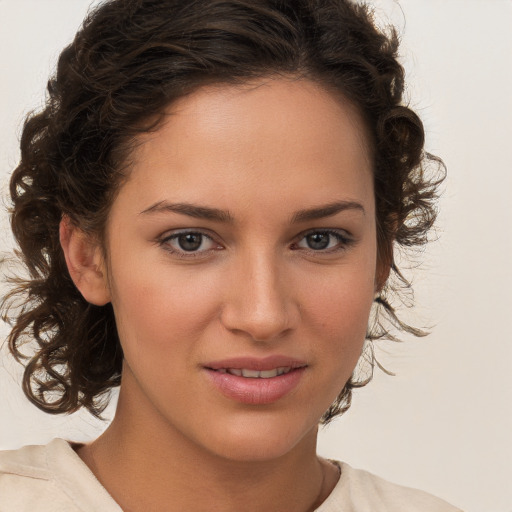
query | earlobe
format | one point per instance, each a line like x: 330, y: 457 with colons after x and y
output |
x: 85, y: 263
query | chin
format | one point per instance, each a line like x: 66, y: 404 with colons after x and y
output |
x: 260, y: 437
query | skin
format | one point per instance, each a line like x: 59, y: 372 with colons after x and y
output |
x: 259, y: 153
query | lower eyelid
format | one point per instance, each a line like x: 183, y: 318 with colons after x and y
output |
x: 344, y: 241
x: 165, y: 243
x: 342, y: 238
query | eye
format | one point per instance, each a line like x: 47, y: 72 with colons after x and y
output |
x: 324, y: 240
x: 189, y: 243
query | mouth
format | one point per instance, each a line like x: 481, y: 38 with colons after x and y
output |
x: 256, y: 374
x: 256, y: 381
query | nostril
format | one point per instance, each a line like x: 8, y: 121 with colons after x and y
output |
x: 259, y: 325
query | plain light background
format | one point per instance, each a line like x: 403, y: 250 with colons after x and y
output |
x: 444, y: 422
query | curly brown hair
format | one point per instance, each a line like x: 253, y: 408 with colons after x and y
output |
x: 127, y: 63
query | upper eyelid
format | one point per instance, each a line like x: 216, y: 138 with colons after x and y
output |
x: 334, y: 231
x: 183, y: 231
x: 175, y: 233
x: 171, y: 234
x: 344, y: 240
x: 164, y: 242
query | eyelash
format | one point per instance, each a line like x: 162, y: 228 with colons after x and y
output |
x: 166, y: 240
x: 343, y: 242
x: 342, y: 238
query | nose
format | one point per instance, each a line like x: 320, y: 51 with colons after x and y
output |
x: 260, y: 300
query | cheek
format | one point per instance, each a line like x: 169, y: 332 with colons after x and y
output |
x: 162, y: 307
x: 336, y: 319
x: 343, y: 320
x: 338, y: 311
x: 341, y: 300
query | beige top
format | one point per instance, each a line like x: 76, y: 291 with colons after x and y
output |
x: 53, y: 478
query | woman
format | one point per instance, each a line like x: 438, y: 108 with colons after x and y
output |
x: 208, y: 207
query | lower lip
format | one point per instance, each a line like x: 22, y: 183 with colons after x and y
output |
x: 256, y: 391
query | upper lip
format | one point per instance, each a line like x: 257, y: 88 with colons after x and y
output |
x: 256, y: 363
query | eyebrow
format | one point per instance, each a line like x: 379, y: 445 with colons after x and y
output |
x: 198, y: 212
x: 327, y: 210
x: 215, y: 214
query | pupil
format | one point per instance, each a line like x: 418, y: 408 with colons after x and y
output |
x: 318, y: 240
x: 190, y: 241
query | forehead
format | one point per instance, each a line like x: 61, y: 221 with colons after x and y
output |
x: 255, y: 141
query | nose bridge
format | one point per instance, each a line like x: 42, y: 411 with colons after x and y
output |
x: 259, y: 302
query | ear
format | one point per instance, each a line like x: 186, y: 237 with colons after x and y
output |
x: 385, y: 259
x: 381, y: 275
x: 384, y: 262
x: 85, y: 263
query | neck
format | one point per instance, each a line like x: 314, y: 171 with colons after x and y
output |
x: 151, y: 466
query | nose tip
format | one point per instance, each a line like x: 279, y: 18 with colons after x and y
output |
x: 260, y: 307
x: 259, y: 323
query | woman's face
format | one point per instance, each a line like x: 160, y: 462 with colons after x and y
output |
x: 242, y: 266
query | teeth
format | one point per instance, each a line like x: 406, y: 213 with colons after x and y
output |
x: 252, y: 374
x: 256, y: 374
x: 266, y: 374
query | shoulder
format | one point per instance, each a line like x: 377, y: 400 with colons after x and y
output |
x: 29, y: 461
x: 25, y: 480
x: 49, y: 478
x: 361, y: 491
